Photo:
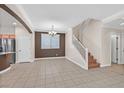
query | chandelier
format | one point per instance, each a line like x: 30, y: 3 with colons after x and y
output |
x: 52, y: 31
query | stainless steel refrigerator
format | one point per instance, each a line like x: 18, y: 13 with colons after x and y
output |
x: 8, y: 45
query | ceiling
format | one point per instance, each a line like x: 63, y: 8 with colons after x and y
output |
x: 6, y: 19
x: 7, y: 23
x: 116, y: 24
x: 65, y: 16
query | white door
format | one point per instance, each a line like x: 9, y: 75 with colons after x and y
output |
x: 114, y: 48
x: 23, y: 49
x: 122, y: 49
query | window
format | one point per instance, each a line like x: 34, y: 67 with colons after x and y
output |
x: 49, y: 42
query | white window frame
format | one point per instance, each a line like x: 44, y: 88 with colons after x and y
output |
x: 49, y: 41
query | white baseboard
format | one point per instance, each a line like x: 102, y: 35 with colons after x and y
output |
x: 76, y: 63
x: 31, y: 60
x: 5, y: 70
x: 105, y: 65
x: 49, y: 58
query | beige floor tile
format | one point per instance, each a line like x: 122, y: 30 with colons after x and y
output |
x: 61, y: 73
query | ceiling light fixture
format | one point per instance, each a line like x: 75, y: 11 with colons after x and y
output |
x: 52, y: 31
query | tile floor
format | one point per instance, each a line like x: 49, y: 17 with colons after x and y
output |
x: 61, y: 73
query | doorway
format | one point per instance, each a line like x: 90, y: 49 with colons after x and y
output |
x: 115, y: 48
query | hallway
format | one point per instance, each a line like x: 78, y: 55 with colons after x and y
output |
x: 61, y: 73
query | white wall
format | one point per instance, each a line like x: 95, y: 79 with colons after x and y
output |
x: 72, y: 53
x: 7, y: 29
x: 106, y: 48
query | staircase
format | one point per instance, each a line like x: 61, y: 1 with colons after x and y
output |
x: 92, y: 62
x: 77, y: 39
x: 85, y: 54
